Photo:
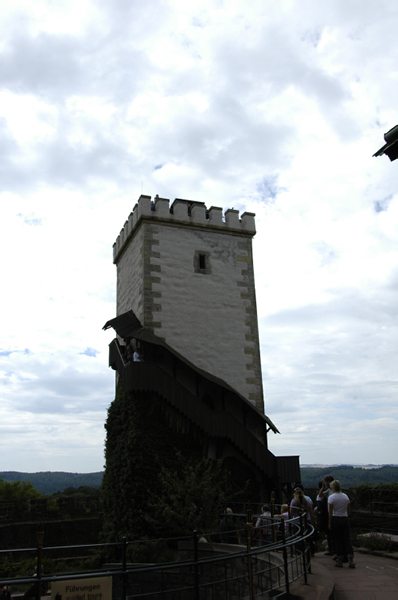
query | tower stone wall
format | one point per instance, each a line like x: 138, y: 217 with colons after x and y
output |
x: 187, y: 273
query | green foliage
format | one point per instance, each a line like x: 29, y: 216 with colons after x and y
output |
x: 26, y: 567
x: 383, y: 496
x: 156, y: 482
x: 376, y: 541
x: 50, y: 482
x: 18, y: 492
x: 156, y: 551
x: 192, y: 496
x: 362, y: 495
x: 83, y: 490
x: 8, y: 568
x: 349, y: 476
x: 52, y: 505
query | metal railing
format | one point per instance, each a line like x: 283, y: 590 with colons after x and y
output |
x: 251, y: 569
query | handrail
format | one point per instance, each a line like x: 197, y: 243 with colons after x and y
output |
x: 261, y: 569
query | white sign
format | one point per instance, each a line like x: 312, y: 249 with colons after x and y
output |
x: 98, y: 588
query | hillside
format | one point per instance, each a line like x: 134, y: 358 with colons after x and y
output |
x: 48, y: 482
x: 349, y: 476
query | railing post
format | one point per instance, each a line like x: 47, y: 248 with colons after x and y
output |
x: 40, y: 535
x: 302, y: 531
x: 285, y: 563
x: 274, y: 532
x: 196, y: 566
x: 124, y: 568
x: 371, y: 509
x: 249, y: 527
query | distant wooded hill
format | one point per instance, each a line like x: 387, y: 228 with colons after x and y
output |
x: 349, y: 476
x: 49, y: 482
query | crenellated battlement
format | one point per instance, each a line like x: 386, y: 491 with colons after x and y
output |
x: 189, y: 213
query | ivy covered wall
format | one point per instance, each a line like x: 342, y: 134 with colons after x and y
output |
x: 157, y: 481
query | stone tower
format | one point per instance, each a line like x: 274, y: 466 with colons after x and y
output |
x: 187, y: 274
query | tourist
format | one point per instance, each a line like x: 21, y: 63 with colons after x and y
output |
x: 227, y: 528
x: 129, y: 353
x: 339, y: 509
x: 264, y: 526
x: 322, y: 505
x: 302, y: 505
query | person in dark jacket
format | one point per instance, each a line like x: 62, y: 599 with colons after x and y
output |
x: 227, y: 528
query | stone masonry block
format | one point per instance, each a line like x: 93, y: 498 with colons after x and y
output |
x: 162, y: 208
x: 215, y: 215
x: 180, y: 210
x: 198, y: 213
x: 232, y: 218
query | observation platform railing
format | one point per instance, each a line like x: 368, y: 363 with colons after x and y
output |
x: 201, y: 570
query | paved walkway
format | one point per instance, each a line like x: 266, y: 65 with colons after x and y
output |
x: 374, y: 578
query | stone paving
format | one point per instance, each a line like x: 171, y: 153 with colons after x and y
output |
x: 374, y: 578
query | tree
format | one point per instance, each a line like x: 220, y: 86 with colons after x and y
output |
x: 19, y: 492
x: 192, y: 497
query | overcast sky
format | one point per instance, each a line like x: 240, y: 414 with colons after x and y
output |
x: 270, y: 107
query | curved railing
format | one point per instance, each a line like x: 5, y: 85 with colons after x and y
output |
x: 202, y: 570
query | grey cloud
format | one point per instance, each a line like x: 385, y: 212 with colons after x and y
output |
x: 327, y: 253
x: 383, y: 204
x: 392, y: 283
x: 60, y: 162
x: 58, y: 66
x: 8, y: 154
x: 44, y: 63
x: 137, y: 19
x: 68, y: 391
x: 90, y: 352
x: 221, y: 139
x: 75, y: 163
x: 313, y: 36
x: 273, y: 65
x: 269, y: 68
x: 31, y: 220
x: 56, y: 383
x: 268, y: 188
x: 353, y: 305
x: 333, y: 354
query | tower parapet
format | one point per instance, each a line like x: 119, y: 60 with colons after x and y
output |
x: 190, y: 213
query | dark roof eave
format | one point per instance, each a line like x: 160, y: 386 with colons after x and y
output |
x: 390, y: 149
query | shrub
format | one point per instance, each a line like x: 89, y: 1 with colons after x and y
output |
x: 376, y: 541
x: 8, y: 568
x: 155, y: 551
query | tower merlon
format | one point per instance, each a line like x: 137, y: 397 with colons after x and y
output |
x: 191, y: 213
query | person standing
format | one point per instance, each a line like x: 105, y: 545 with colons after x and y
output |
x: 264, y: 526
x: 339, y: 509
x: 228, y: 529
x: 302, y: 505
x: 324, y: 493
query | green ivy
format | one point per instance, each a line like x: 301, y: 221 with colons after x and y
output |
x: 156, y: 482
